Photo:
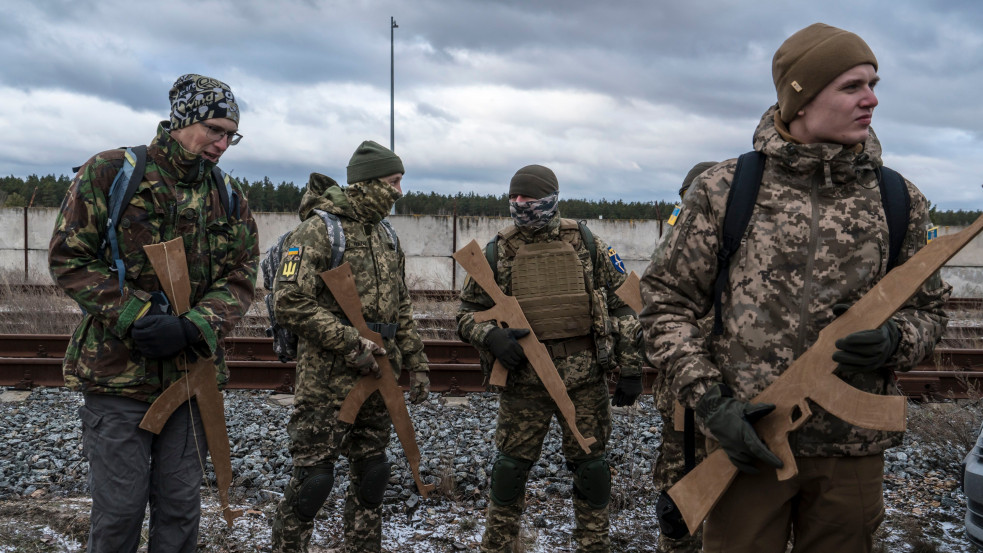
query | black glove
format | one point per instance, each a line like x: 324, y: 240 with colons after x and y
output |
x: 163, y: 336
x: 627, y: 391
x: 865, y: 350
x: 730, y: 422
x: 503, y: 343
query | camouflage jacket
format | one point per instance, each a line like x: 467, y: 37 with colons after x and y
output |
x: 304, y: 305
x: 818, y: 236
x: 614, y: 326
x: 176, y: 198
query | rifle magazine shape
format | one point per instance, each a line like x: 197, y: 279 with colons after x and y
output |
x: 171, y: 266
x: 508, y: 314
x: 810, y: 377
x: 341, y: 283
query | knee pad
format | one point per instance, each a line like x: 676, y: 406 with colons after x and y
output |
x: 592, y: 482
x: 508, y: 479
x: 374, y: 473
x: 315, y: 486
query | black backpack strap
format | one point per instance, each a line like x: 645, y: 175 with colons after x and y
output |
x: 588, y: 237
x: 491, y: 255
x: 897, y: 204
x: 740, y: 204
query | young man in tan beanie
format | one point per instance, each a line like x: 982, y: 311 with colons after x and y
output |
x: 817, y: 241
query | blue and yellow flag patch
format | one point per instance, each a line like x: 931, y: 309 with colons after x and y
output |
x: 290, y: 265
x: 619, y: 265
x: 931, y: 234
x: 675, y: 214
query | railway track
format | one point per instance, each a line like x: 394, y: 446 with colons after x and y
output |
x: 30, y: 360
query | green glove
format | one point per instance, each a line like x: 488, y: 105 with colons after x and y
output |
x: 865, y: 350
x: 730, y: 422
x: 419, y: 386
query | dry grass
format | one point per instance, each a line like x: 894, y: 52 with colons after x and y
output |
x: 35, y: 311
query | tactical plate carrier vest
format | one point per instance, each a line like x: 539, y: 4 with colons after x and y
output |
x: 548, y: 282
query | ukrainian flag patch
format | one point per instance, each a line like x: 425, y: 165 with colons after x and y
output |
x: 290, y: 265
x: 931, y: 234
x: 619, y: 265
x: 675, y: 215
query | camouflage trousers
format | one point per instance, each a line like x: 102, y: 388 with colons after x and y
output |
x: 318, y: 437
x: 524, y: 417
x: 670, y: 466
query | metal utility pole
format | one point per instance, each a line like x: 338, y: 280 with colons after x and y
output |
x: 392, y: 85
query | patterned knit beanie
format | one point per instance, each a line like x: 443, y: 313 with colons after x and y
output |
x: 811, y: 59
x: 197, y: 98
x: 372, y: 160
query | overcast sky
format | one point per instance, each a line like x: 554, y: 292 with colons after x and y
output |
x: 620, y: 99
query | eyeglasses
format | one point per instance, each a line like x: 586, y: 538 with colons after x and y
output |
x: 216, y: 133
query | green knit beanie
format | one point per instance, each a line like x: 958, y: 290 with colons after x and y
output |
x: 534, y: 181
x: 693, y: 173
x: 811, y: 59
x: 372, y: 160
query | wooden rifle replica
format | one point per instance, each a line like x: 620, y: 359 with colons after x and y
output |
x: 810, y: 377
x: 341, y: 283
x: 171, y: 267
x: 508, y: 314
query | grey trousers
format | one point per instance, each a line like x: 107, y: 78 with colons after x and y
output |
x: 129, y: 467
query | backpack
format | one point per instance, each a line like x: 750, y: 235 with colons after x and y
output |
x: 285, y: 341
x: 740, y: 203
x: 125, y: 185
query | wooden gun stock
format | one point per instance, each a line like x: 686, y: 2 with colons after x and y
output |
x: 811, y: 377
x: 341, y: 283
x: 171, y: 266
x: 508, y: 314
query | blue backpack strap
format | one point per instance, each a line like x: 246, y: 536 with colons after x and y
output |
x: 740, y: 204
x: 227, y: 192
x: 120, y: 193
x: 897, y: 204
x: 336, y: 235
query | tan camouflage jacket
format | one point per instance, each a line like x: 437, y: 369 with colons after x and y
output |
x: 817, y: 237
x: 614, y: 326
x: 303, y: 304
x: 176, y: 198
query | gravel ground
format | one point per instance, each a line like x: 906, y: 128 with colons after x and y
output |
x: 44, y: 507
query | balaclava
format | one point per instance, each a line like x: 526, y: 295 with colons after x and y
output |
x: 370, y: 197
x: 537, y: 182
x: 811, y: 59
x: 197, y: 98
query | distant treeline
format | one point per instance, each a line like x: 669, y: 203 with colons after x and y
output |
x: 48, y: 191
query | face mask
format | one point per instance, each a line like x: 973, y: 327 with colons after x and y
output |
x: 534, y: 214
x: 372, y: 200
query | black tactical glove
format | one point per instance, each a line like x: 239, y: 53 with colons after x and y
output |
x: 503, y: 343
x: 626, y: 391
x: 730, y: 422
x: 163, y: 336
x: 865, y: 350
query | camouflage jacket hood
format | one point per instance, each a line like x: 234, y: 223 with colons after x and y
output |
x: 176, y: 198
x: 817, y: 237
x: 324, y: 193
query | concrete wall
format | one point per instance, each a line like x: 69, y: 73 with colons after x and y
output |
x: 428, y: 240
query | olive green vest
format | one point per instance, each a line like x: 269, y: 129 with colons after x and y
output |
x: 548, y: 282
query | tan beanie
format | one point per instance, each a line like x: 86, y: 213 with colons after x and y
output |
x: 811, y: 59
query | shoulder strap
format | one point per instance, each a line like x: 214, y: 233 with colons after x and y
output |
x: 588, y: 237
x: 740, y: 204
x: 388, y: 227
x: 897, y: 204
x: 124, y: 186
x: 491, y: 254
x: 336, y: 235
x: 228, y: 193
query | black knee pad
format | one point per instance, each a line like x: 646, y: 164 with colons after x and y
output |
x: 592, y: 482
x: 315, y: 486
x: 374, y: 473
x: 508, y: 479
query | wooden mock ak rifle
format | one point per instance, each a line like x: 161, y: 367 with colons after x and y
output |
x: 508, y: 314
x: 810, y: 377
x: 171, y: 267
x: 341, y: 283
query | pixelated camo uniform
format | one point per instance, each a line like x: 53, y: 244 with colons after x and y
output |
x: 304, y: 305
x: 177, y: 198
x: 817, y: 237
x: 525, y: 408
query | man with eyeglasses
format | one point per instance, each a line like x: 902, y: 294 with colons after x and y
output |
x: 130, y: 346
